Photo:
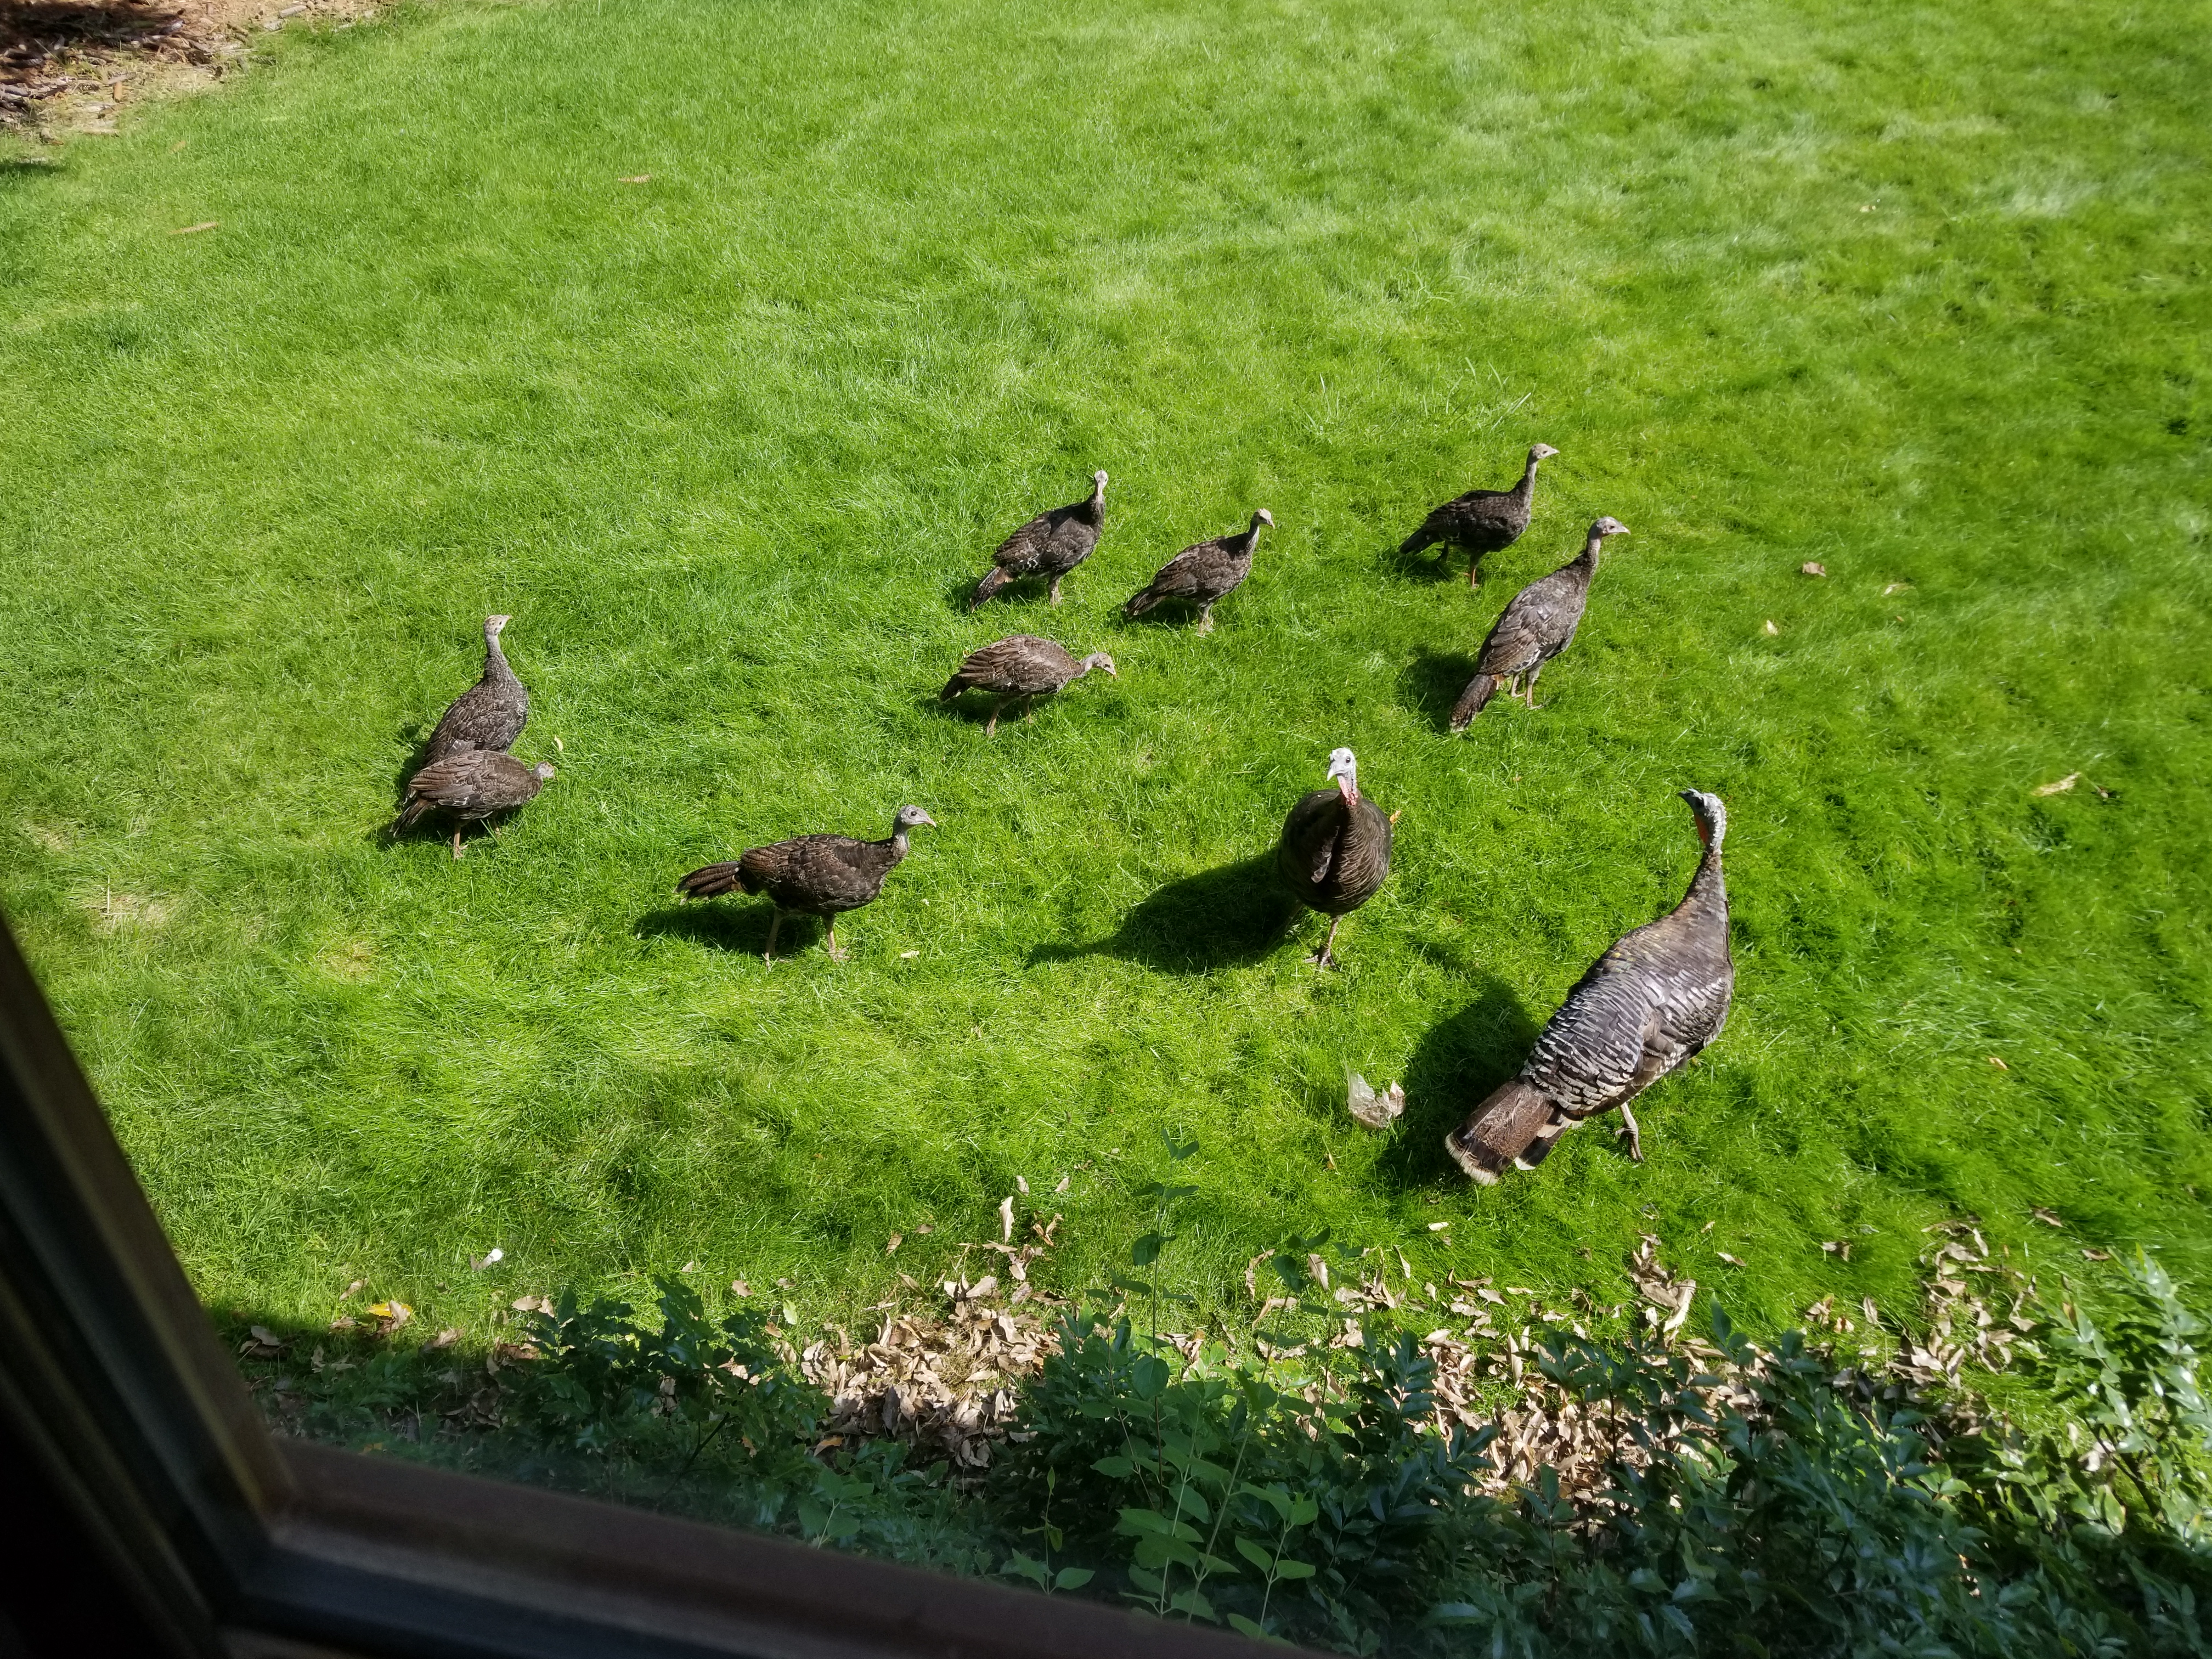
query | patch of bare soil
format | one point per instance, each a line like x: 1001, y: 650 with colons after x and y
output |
x: 71, y: 67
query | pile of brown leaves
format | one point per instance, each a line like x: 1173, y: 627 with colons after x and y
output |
x: 75, y: 62
x: 945, y: 1381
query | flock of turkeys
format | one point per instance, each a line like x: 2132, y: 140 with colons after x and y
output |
x: 1659, y: 995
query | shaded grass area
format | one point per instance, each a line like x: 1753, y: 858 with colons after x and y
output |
x: 1914, y: 292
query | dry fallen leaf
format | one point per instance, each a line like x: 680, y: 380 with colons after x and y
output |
x: 445, y: 1338
x: 1006, y: 1219
x: 2059, y: 787
x: 1808, y: 568
x: 1022, y: 1186
x: 2047, y: 1217
x: 636, y: 178
x: 2098, y: 1256
x: 1895, y: 587
x: 1439, y: 1226
x: 690, y: 1267
x: 194, y: 230
x: 896, y: 1239
x: 1063, y: 1179
x: 1771, y: 628
x: 1732, y: 1260
x: 739, y: 1287
x: 490, y: 1258
x: 909, y: 955
x: 1836, y: 1247
x: 1999, y: 1064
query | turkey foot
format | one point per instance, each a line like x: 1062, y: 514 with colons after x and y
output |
x: 1635, y: 1139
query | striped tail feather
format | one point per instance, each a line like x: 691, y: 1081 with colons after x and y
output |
x: 954, y: 687
x: 1413, y: 544
x: 990, y: 584
x: 1517, y: 1124
x: 714, y: 881
x: 1479, y: 690
x: 1140, y: 603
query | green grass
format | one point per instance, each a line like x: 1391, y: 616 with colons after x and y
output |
x: 1917, y: 292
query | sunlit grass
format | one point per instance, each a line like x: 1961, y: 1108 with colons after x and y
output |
x: 1914, y: 293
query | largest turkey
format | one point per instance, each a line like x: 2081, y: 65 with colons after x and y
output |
x: 1649, y: 1003
x: 1482, y: 520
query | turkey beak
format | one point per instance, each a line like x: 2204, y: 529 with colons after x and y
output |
x: 928, y: 820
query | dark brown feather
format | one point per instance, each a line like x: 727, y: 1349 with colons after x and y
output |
x: 472, y: 784
x: 1051, y: 544
x: 1023, y: 665
x: 489, y: 714
x: 1334, y: 854
x: 1482, y: 521
x: 1202, y: 573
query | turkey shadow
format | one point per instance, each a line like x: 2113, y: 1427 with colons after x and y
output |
x: 1433, y: 563
x: 1218, y: 918
x: 1455, y: 1064
x: 720, y: 926
x: 1431, y: 683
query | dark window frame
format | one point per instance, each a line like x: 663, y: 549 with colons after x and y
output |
x: 157, y: 1489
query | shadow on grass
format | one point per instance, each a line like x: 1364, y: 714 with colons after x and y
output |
x: 1218, y: 918
x: 1457, y: 1061
x: 1432, y: 564
x: 1431, y: 683
x: 720, y: 925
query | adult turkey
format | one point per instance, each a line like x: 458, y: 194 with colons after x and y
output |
x: 1335, y: 849
x: 489, y: 714
x: 1205, y: 575
x: 1483, y: 520
x: 472, y: 784
x: 1656, y: 997
x: 1021, y: 668
x: 1050, y: 545
x: 1534, y: 628
x: 811, y: 875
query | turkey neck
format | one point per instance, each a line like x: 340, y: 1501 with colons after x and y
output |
x: 1592, y: 551
x: 1708, y: 894
x: 495, y: 667
x: 1094, y: 510
x: 898, y: 843
x: 1527, y: 487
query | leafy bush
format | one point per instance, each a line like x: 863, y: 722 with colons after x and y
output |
x: 1749, y: 1499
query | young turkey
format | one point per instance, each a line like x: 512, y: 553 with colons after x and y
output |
x: 1534, y: 628
x: 1205, y: 575
x: 472, y: 784
x: 1654, y: 999
x: 811, y: 875
x: 1024, y: 668
x: 1483, y: 520
x: 1335, y: 849
x: 1050, y: 545
x: 489, y: 714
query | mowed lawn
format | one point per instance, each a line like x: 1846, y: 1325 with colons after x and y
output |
x: 1917, y: 292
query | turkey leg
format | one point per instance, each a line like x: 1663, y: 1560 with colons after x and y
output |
x: 1528, y: 690
x: 774, y: 924
x: 457, y: 838
x: 829, y: 938
x: 1206, y: 617
x: 1635, y: 1138
x: 1321, y: 958
x: 991, y: 725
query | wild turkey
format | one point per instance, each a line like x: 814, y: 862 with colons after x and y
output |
x: 811, y: 875
x: 489, y: 714
x: 1024, y: 667
x: 1205, y: 575
x: 1335, y: 849
x: 1482, y: 520
x: 1656, y: 997
x: 1051, y: 544
x: 1535, y: 628
x: 472, y: 784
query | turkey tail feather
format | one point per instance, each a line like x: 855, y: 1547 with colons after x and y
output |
x: 1141, y: 603
x: 990, y: 585
x: 714, y: 881
x: 1414, y: 543
x: 1503, y: 1128
x: 1480, y: 689
x: 953, y: 688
